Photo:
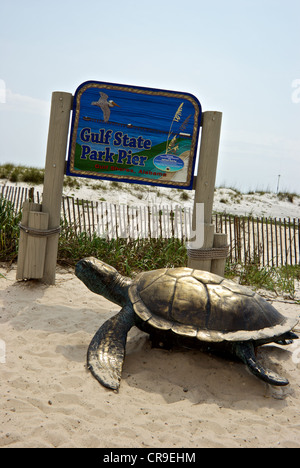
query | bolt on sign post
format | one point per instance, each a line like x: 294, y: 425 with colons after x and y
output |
x: 133, y: 134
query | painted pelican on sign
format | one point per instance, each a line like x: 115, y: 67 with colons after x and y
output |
x: 105, y: 105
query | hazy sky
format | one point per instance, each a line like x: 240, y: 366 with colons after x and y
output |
x: 240, y: 57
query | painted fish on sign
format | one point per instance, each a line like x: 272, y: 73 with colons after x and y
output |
x: 134, y: 134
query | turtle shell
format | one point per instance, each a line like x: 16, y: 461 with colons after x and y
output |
x: 205, y: 306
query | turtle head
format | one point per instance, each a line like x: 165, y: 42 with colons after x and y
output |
x: 103, y: 279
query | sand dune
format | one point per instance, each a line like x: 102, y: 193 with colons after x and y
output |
x: 226, y: 200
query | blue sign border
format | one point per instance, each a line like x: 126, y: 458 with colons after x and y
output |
x: 90, y: 114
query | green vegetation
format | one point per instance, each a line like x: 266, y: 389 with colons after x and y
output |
x: 134, y: 256
x: 280, y: 280
x: 21, y: 174
x: 9, y: 231
x: 184, y: 196
x: 71, y: 182
x: 287, y: 196
x: 128, y: 257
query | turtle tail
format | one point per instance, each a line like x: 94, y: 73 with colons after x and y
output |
x: 106, y: 351
x: 245, y: 351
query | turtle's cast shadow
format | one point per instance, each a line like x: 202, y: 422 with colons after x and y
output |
x: 202, y: 377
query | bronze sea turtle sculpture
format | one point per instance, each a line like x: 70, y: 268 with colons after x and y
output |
x: 181, y: 306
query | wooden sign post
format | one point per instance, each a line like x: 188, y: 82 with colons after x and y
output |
x: 212, y: 255
x: 61, y: 106
x: 40, y: 223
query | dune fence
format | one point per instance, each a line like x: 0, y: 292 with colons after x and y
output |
x: 261, y: 240
x: 17, y: 195
x: 266, y: 241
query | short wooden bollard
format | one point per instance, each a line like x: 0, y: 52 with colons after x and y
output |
x: 36, y: 246
x: 32, y: 247
x: 220, y: 254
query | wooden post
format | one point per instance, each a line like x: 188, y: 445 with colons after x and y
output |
x: 28, y: 208
x: 205, y: 184
x: 218, y: 264
x: 36, y: 246
x: 61, y: 106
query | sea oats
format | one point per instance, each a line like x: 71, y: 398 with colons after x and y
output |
x: 178, y: 113
x: 176, y: 118
x: 184, y: 123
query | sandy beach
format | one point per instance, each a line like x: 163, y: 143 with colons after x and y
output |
x: 167, y: 399
x: 175, y: 399
x: 110, y: 114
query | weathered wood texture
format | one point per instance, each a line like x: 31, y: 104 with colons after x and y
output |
x: 61, y: 105
x: 205, y: 183
x: 31, y: 256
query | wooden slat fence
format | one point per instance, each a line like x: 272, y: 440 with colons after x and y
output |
x: 17, y: 195
x: 114, y: 221
x: 267, y: 241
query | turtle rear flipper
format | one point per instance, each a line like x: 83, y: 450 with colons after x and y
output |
x: 106, y: 351
x: 288, y: 338
x: 245, y: 351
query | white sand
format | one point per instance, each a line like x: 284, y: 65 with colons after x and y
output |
x: 171, y: 399
x: 179, y: 398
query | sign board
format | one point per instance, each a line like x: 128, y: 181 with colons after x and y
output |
x: 133, y: 134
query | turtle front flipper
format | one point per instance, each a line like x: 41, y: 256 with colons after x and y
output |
x: 106, y: 352
x: 245, y: 351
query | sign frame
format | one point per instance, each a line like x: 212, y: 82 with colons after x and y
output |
x: 127, y: 134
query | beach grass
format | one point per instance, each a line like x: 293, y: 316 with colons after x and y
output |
x: 9, y: 231
x: 26, y: 174
x: 128, y: 257
x: 280, y: 280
